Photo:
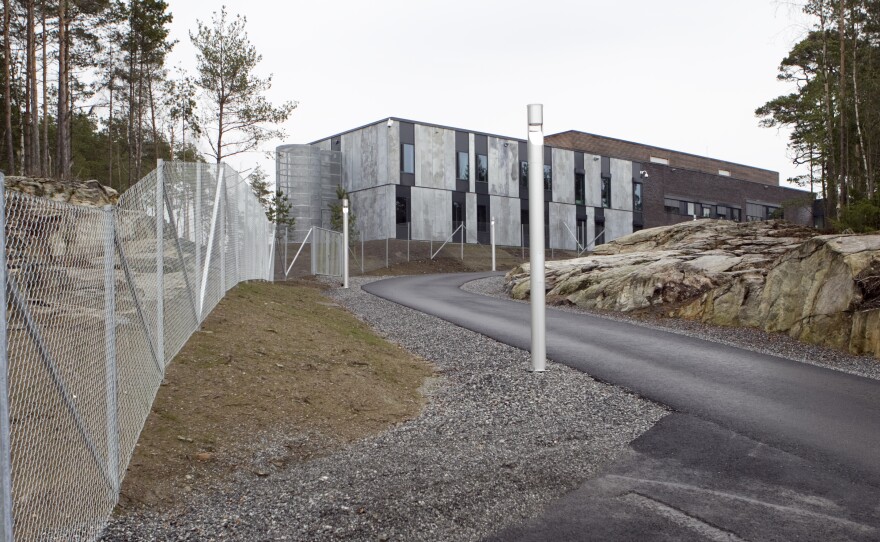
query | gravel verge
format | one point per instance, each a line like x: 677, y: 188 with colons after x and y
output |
x: 748, y: 338
x: 494, y: 444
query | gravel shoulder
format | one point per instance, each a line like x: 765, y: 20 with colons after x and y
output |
x: 493, y: 445
x: 756, y: 340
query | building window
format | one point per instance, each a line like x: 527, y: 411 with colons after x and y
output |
x: 482, y: 168
x: 524, y: 177
x: 482, y: 218
x: 580, y: 188
x: 672, y: 206
x: 736, y: 215
x: 721, y: 212
x: 723, y: 173
x: 400, y: 210
x: 407, y: 158
x: 658, y: 160
x: 637, y: 197
x: 606, y: 192
x: 707, y: 211
x: 548, y: 177
x: 774, y: 212
x: 691, y: 209
x: 457, y: 215
x: 462, y: 166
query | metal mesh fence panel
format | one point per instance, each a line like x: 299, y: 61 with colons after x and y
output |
x: 99, y: 302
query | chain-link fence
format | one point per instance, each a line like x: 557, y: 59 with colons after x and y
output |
x: 459, y: 251
x: 98, y: 302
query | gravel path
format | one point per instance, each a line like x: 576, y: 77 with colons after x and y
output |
x: 756, y: 340
x: 494, y: 444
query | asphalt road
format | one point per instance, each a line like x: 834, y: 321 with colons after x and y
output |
x: 759, y: 447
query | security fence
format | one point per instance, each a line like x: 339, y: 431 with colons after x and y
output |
x: 98, y: 301
x: 459, y: 251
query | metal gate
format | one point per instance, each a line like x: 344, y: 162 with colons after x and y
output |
x: 327, y: 246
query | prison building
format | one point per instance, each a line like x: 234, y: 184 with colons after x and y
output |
x: 422, y: 181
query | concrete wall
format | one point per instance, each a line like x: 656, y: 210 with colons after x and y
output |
x: 617, y: 224
x: 621, y: 185
x: 435, y: 157
x: 470, y: 222
x: 559, y: 236
x: 364, y: 151
x: 431, y: 213
x: 591, y: 228
x: 563, y: 176
x: 374, y: 209
x: 503, y: 167
x: 393, y: 143
x: 593, y: 169
x: 506, y: 213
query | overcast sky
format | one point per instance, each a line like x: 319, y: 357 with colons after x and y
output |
x: 681, y: 74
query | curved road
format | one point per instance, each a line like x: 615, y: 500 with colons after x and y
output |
x: 818, y: 428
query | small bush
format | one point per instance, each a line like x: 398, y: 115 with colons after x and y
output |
x: 860, y: 217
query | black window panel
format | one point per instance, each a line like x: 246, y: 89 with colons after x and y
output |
x: 606, y: 166
x: 606, y: 192
x: 462, y: 165
x: 407, y: 158
x: 548, y: 155
x: 736, y: 215
x: 578, y: 160
x: 637, y: 196
x: 482, y: 164
x: 523, y: 179
x: 407, y: 132
x: 462, y: 141
x: 481, y: 144
x: 600, y: 232
x: 672, y: 206
x: 548, y: 177
x: 482, y: 218
x: 580, y: 188
x: 707, y: 211
x: 400, y: 208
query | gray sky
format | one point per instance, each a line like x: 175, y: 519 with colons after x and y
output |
x: 681, y: 74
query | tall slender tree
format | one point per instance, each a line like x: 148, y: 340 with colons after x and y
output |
x: 236, y: 115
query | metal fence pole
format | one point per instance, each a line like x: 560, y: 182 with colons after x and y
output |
x: 345, y: 243
x: 5, y: 448
x: 110, y: 371
x: 198, y: 232
x: 362, y: 253
x: 462, y: 241
x: 160, y: 259
x: 492, y: 240
x: 536, y: 235
x: 386, y: 252
x: 408, y: 238
x: 222, y: 224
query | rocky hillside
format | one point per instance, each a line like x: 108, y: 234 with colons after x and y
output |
x: 772, y: 275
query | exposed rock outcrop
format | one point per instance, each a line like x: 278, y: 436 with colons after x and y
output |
x: 88, y: 193
x: 771, y: 275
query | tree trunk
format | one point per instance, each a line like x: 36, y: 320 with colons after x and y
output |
x: 33, y: 105
x: 842, y: 166
x: 44, y: 166
x: 7, y: 93
x: 153, y: 116
x: 829, y: 180
x: 63, y: 98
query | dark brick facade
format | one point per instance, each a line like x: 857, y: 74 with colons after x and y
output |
x: 695, y: 186
x: 637, y: 152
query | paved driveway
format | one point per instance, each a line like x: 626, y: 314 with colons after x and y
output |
x: 758, y: 447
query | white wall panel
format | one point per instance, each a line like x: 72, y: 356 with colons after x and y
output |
x: 506, y: 213
x: 471, y: 216
x: 563, y: 176
x: 593, y: 170
x: 431, y: 213
x: 617, y: 224
x: 621, y: 185
x: 562, y: 215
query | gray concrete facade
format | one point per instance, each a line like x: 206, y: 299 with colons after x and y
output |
x: 371, y: 170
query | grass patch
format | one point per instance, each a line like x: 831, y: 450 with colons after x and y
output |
x: 271, y: 358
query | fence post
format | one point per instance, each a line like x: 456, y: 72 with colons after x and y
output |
x: 386, y: 252
x: 160, y: 259
x: 408, y: 238
x: 362, y: 253
x: 492, y: 240
x: 198, y: 230
x: 222, y: 223
x: 110, y: 371
x: 5, y: 448
x: 345, y: 243
x: 461, y: 238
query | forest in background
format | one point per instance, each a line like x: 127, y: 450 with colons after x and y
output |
x: 834, y: 110
x: 87, y: 94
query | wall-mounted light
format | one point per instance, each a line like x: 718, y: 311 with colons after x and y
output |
x: 595, y: 159
x: 643, y: 174
x: 390, y: 123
